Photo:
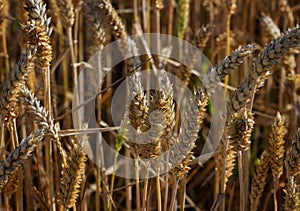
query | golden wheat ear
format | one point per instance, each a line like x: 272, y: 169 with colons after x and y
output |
x: 72, y: 176
x: 42, y: 118
x: 17, y: 157
x: 11, y: 88
x: 259, y: 180
x: 276, y: 149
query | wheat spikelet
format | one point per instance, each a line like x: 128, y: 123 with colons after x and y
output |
x: 71, y: 176
x: 41, y: 117
x: 292, y: 161
x: 16, y: 158
x: 276, y: 149
x: 66, y: 13
x: 262, y: 67
x: 182, y: 17
x: 259, y: 180
x: 292, y: 195
x: 10, y: 89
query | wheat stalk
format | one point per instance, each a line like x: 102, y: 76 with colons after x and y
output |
x: 16, y: 158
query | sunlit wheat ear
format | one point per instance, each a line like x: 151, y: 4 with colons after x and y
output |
x: 115, y: 22
x: 17, y: 157
x: 276, y: 148
x: 151, y: 120
x: 36, y: 35
x: 10, y: 89
x: 292, y: 161
x: 240, y: 128
x: 41, y: 117
x: 126, y: 45
x: 66, y: 13
x: 292, y: 195
x: 98, y: 34
x: 71, y: 176
x: 259, y: 180
x: 262, y: 67
x: 37, y: 11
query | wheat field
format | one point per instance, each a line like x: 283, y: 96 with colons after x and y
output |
x: 252, y: 47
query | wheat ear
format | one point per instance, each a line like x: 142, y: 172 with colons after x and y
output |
x: 276, y: 149
x: 66, y: 13
x: 10, y: 89
x: 41, y: 117
x: 292, y: 195
x: 71, y: 176
x: 292, y: 161
x: 259, y: 180
x: 98, y: 38
x: 17, y: 157
x: 262, y: 67
x: 182, y: 17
